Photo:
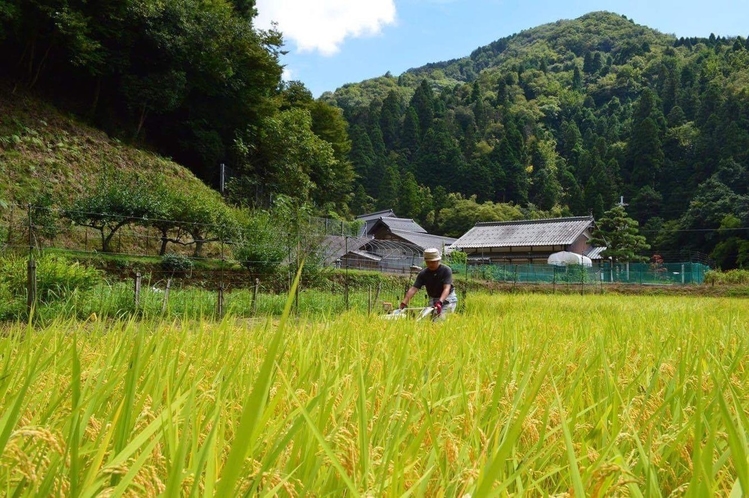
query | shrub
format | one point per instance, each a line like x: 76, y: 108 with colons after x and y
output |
x: 56, y: 276
x: 176, y: 264
x: 713, y: 277
x: 261, y: 250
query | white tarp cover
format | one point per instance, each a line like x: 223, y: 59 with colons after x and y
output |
x: 564, y: 258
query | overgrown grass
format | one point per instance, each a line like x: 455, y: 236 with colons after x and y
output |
x: 68, y: 289
x: 518, y: 395
x: 736, y: 276
x: 116, y: 300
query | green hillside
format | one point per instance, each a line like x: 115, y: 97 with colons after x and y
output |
x: 45, y: 151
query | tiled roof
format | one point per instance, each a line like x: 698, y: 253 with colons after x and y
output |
x: 524, y: 233
x: 595, y: 252
x: 370, y: 219
x: 333, y: 247
x: 406, y: 224
x: 424, y: 240
x: 367, y: 255
x: 376, y: 216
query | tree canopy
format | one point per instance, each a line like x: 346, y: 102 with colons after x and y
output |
x: 620, y: 235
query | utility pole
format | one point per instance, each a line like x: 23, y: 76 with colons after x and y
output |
x: 222, y: 180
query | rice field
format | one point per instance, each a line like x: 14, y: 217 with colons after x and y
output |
x: 517, y: 395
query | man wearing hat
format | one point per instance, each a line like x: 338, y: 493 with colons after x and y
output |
x: 438, y: 280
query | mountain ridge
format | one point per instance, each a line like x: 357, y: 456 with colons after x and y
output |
x: 600, y: 25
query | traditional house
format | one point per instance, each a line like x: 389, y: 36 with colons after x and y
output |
x: 526, y: 241
x: 385, y: 228
x: 370, y: 219
x: 387, y: 243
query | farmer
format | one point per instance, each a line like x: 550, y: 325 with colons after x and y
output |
x: 438, y: 280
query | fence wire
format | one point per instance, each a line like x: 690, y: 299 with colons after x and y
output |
x: 138, y: 281
x: 621, y: 273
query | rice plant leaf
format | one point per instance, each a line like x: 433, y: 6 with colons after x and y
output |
x: 493, y: 469
x: 124, y: 425
x: 735, y: 429
x: 735, y: 442
x: 577, y: 481
x: 362, y: 420
x: 270, y: 459
x: 417, y: 485
x: 135, y: 468
x: 47, y: 484
x: 207, y: 451
x: 74, y: 437
x: 736, y: 491
x: 174, y: 480
x: 140, y: 440
x: 10, y: 418
x: 255, y: 404
x: 321, y: 440
x: 651, y: 473
x: 90, y: 484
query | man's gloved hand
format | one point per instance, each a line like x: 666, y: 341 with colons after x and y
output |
x: 403, y: 305
x: 438, y: 307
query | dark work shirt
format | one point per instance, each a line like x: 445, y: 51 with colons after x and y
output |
x: 434, y: 280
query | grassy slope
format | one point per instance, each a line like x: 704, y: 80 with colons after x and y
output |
x: 45, y: 150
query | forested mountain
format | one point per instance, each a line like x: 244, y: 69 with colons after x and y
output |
x: 566, y: 118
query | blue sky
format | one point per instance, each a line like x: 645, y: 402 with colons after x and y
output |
x: 334, y: 42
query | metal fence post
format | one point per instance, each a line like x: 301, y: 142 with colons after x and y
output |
x: 165, y: 306
x: 254, y: 296
x: 377, y: 291
x: 220, y: 303
x: 137, y: 290
x: 31, y: 286
x: 31, y: 227
x: 345, y: 288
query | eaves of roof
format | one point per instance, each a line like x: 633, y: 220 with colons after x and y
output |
x: 423, y: 240
x: 398, y: 224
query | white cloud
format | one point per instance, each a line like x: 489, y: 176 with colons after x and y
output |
x: 323, y: 25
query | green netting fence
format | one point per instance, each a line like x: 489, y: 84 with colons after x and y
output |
x: 632, y: 273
